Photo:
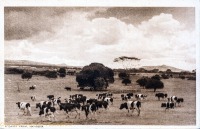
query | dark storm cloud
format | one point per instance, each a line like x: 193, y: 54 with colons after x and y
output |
x: 25, y: 22
x: 21, y: 23
x: 138, y: 14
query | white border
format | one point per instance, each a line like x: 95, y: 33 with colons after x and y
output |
x: 102, y: 3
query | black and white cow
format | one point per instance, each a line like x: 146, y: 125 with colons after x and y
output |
x: 108, y: 99
x: 47, y: 111
x: 25, y: 107
x: 56, y: 102
x: 131, y: 105
x: 168, y: 105
x: 50, y: 97
x: 91, y: 100
x: 180, y: 100
x: 101, y: 95
x: 32, y: 87
x: 69, y: 108
x: 90, y: 109
x: 68, y: 88
x: 173, y: 99
x: 124, y: 97
x: 140, y: 96
x: 33, y: 98
x: 41, y: 103
x: 160, y: 95
x: 101, y: 104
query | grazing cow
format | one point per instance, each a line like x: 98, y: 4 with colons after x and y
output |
x: 81, y: 99
x: 168, y: 105
x: 90, y: 101
x: 173, y: 99
x: 90, y: 109
x: 68, y: 88
x: 140, y: 96
x: 25, y: 107
x: 180, y: 100
x: 33, y: 98
x: 47, y: 111
x: 50, y: 97
x: 32, y: 87
x: 101, y: 104
x: 109, y: 100
x: 131, y: 105
x: 100, y: 96
x: 48, y: 103
x: 75, y: 96
x: 124, y: 97
x: 109, y: 95
x: 68, y: 107
x: 161, y: 95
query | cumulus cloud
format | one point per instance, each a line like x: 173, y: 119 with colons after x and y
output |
x: 80, y: 40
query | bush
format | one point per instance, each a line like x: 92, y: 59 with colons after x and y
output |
x: 191, y: 78
x: 62, y: 72
x: 51, y: 74
x: 182, y: 77
x: 165, y: 76
x: 126, y: 81
x: 156, y: 77
x: 14, y: 71
x: 123, y: 75
x: 26, y: 75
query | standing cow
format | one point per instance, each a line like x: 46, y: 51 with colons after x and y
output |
x: 131, y: 105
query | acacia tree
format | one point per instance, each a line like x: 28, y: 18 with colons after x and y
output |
x: 127, y: 62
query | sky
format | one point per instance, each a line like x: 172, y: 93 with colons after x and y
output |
x: 78, y: 36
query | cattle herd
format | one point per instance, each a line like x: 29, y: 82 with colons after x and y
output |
x: 80, y: 103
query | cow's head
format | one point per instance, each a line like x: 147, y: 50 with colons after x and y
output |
x: 18, y: 104
x: 38, y: 105
x: 156, y: 95
x: 163, y: 105
x: 165, y: 95
x: 123, y: 105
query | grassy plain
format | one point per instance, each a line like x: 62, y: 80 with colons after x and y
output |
x: 151, y: 111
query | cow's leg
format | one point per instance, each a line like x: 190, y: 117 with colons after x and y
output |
x: 138, y: 110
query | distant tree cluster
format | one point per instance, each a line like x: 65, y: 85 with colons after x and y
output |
x: 95, y: 75
x: 51, y: 74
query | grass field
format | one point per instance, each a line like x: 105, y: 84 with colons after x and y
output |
x: 151, y: 111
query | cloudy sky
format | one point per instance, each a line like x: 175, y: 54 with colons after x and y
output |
x: 79, y: 36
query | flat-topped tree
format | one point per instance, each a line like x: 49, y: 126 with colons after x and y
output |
x: 127, y: 63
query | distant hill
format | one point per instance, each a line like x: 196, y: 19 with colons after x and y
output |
x: 32, y: 63
x: 163, y: 68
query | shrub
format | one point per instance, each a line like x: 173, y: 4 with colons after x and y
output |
x: 123, y: 75
x: 182, y: 77
x: 165, y: 76
x: 26, y: 75
x: 51, y: 74
x: 62, y: 72
x: 126, y: 81
x: 156, y: 77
